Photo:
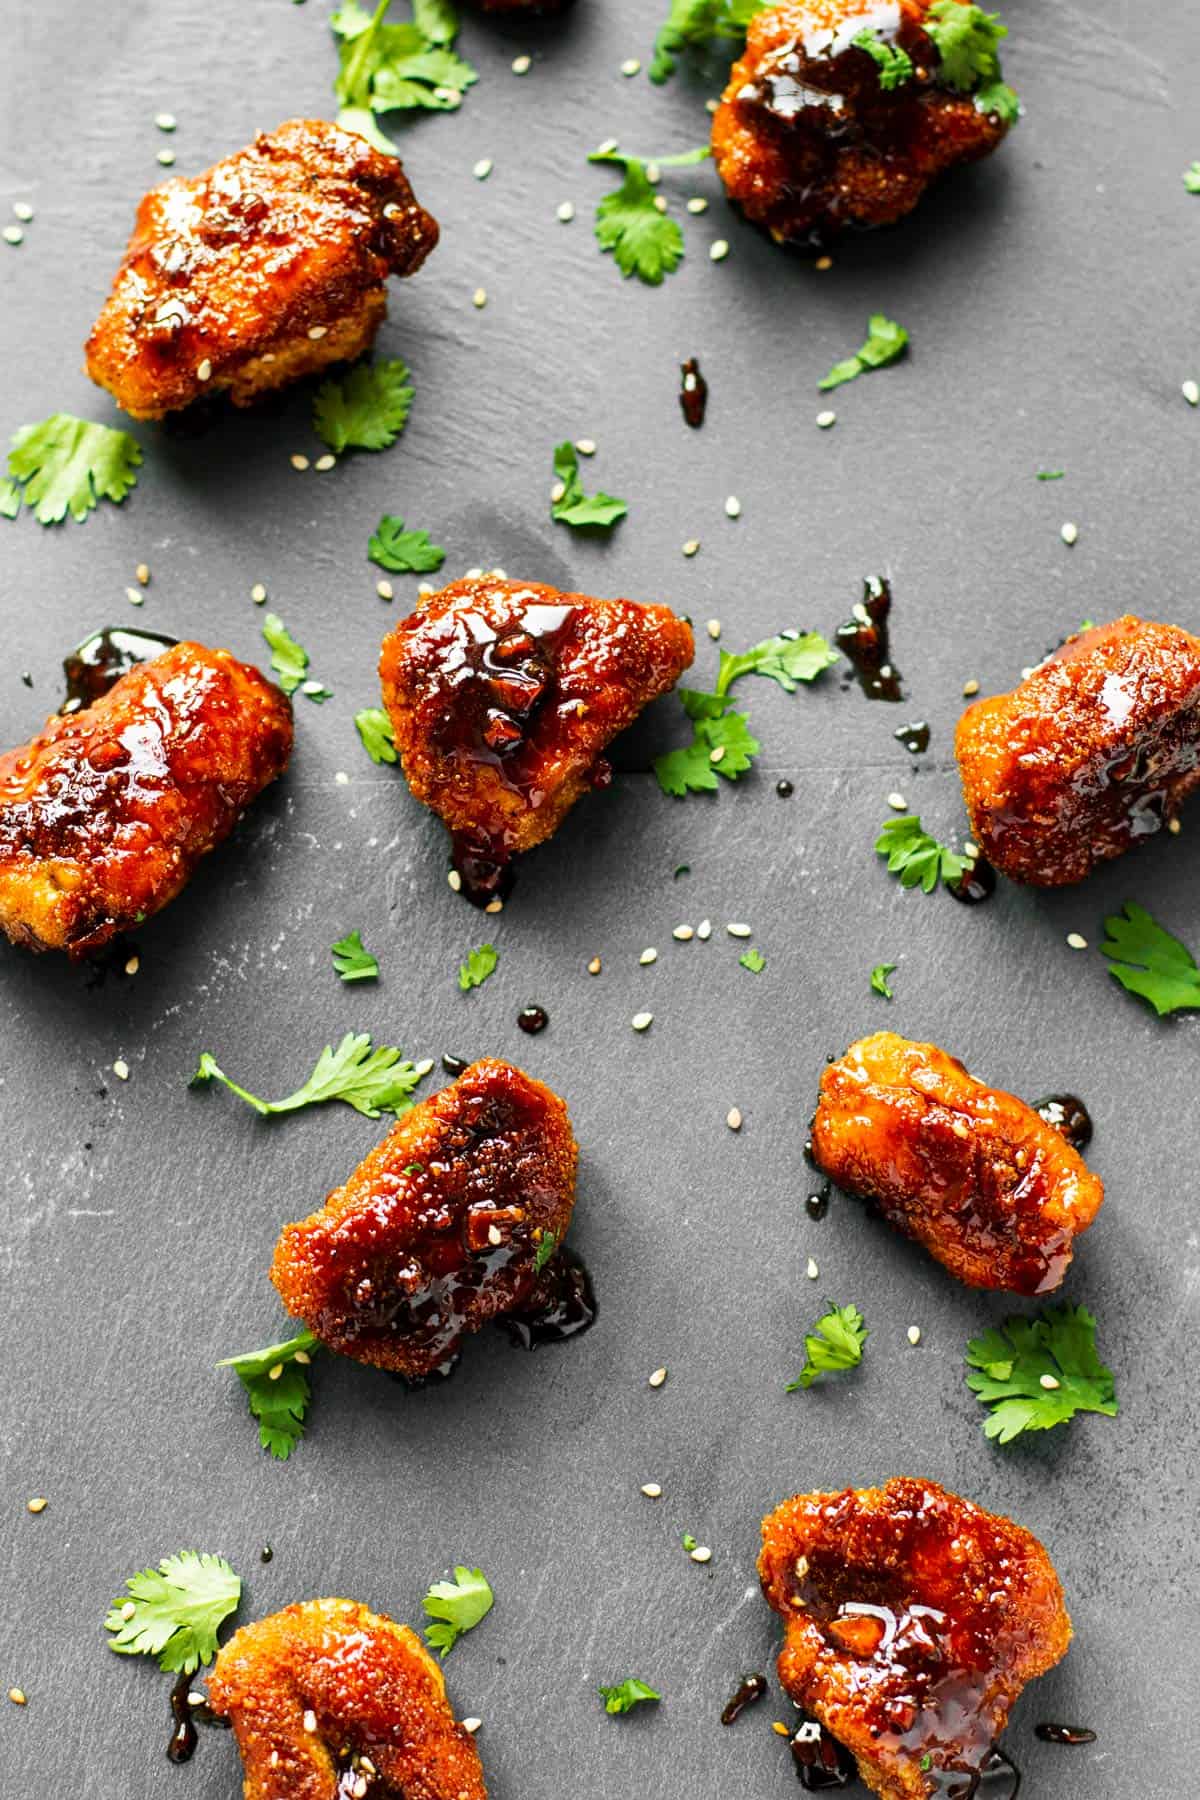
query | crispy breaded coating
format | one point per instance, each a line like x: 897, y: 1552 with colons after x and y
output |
x: 504, y: 694
x: 437, y: 1230
x: 991, y: 1190
x: 329, y: 1700
x: 1094, y: 751
x: 913, y: 1619
x: 105, y: 815
x: 807, y: 139
x: 265, y: 268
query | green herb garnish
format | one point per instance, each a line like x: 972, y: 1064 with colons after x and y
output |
x: 378, y: 737
x: 886, y: 342
x: 278, y: 1390
x: 573, y: 506
x: 479, y: 965
x: 371, y: 1081
x: 1035, y: 1373
x: 643, y: 239
x: 918, y: 859
x: 1148, y: 961
x: 68, y: 465
x: 834, y: 1343
x: 174, y: 1612
x: 456, y: 1606
x: 393, y: 546
x: 364, y: 410
x: 351, y: 961
x: 290, y: 661
x: 879, y: 979
x: 626, y: 1695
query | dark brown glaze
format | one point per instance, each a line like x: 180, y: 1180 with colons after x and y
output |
x: 561, y: 1305
x: 865, y: 642
x: 914, y: 737
x: 1064, y: 1734
x: 1066, y: 1114
x: 970, y: 1172
x: 749, y: 1690
x: 533, y: 1019
x: 1095, y: 751
x: 325, y: 1688
x: 808, y: 142
x: 268, y: 266
x: 105, y: 815
x: 693, y: 393
x: 101, y: 660
x: 437, y: 1230
x: 503, y: 696
x: 913, y: 1619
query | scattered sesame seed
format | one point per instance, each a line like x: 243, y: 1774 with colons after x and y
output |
x: 133, y: 965
x: 498, y: 574
x: 564, y: 212
x: 606, y: 148
x: 1026, y: 673
x: 691, y: 547
x: 594, y: 966
x: 204, y: 370
x: 521, y: 65
x: 714, y: 628
x: 128, y: 1610
x: 17, y: 1696
x: 121, y: 1069
x: 472, y: 1725
x: 826, y: 419
x: 631, y: 66
x: 317, y: 331
x: 652, y: 1490
x: 302, y: 1356
x: 166, y: 158
x: 653, y: 174
x: 557, y: 492
x: 897, y: 802
x: 13, y: 234
x: 647, y: 957
x: 385, y: 590
x: 425, y: 588
x: 1075, y: 941
x: 717, y: 755
x: 494, y: 906
x: 719, y: 251
x: 914, y: 1334
x: 165, y: 121
x: 733, y: 507
x: 324, y: 463
x: 310, y: 1720
x: 425, y: 1065
x: 135, y: 596
x: 275, y: 1372
x: 710, y: 106
x: 36, y: 1505
x: 23, y: 211
x: 472, y: 574
x: 697, y: 204
x: 479, y: 297
x: 733, y: 1119
x: 811, y: 1269
x: 701, y: 1554
x: 970, y: 849
x: 704, y: 930
x: 970, y: 687
x: 142, y: 573
x: 455, y: 880
x: 341, y: 778
x: 586, y: 446
x: 683, y: 934
x: 1174, y: 826
x: 299, y: 462
x: 642, y: 1021
x: 1050, y: 1382
x: 658, y: 1377
x: 1069, y: 533
x: 823, y: 263
x: 1190, y: 389
x: 783, y: 1730
x: 483, y: 168
x: 737, y: 930
x: 258, y: 593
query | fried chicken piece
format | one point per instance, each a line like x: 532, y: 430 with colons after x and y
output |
x: 913, y: 1619
x: 973, y: 1174
x: 265, y: 268
x: 329, y: 1701
x: 438, y: 1229
x: 808, y: 140
x: 1095, y: 750
x: 503, y: 694
x: 105, y: 815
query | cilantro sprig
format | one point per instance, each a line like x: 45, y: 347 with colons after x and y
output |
x: 1149, y: 962
x: 1036, y: 1373
x: 479, y: 965
x: 633, y: 223
x: 396, y: 67
x: 174, y: 1612
x: 372, y: 1081
x: 834, y: 1343
x: 290, y: 661
x: 626, y: 1695
x: 403, y: 550
x: 893, y: 65
x: 378, y: 737
x: 918, y: 859
x: 278, y: 1390
x: 366, y: 409
x: 574, y: 507
x: 352, y: 961
x: 886, y: 342
x: 879, y: 979
x: 456, y: 1606
x: 967, y: 41
x: 67, y: 465
x: 695, y: 25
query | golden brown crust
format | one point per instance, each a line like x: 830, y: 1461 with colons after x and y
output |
x: 970, y: 1172
x: 1094, y: 751
x: 437, y: 1230
x: 504, y: 694
x: 327, y: 1686
x: 268, y: 266
x: 913, y: 1619
x: 808, y: 142
x: 105, y: 815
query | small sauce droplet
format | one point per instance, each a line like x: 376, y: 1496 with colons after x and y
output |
x: 533, y: 1019
x: 101, y: 660
x: 784, y: 789
x: 1067, y: 1115
x: 817, y: 1205
x: 693, y: 393
x: 266, y: 1554
x: 865, y: 643
x: 1064, y: 1734
x: 914, y: 737
x: 750, y: 1689
x: 454, y: 1065
x: 975, y: 886
x: 182, y: 1745
x: 561, y: 1304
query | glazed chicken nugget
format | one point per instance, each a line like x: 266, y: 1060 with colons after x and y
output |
x: 438, y: 1229
x: 503, y: 696
x: 267, y: 267
x: 1095, y: 750
x: 329, y: 1701
x: 105, y: 815
x: 815, y: 134
x: 990, y: 1189
x: 913, y: 1619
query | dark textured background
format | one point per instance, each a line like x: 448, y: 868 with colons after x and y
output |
x: 1051, y: 299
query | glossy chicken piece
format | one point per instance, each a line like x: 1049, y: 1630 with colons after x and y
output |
x: 438, y: 1229
x: 973, y: 1174
x: 267, y: 267
x: 913, y: 1619
x: 329, y: 1701
x: 503, y: 696
x: 809, y: 142
x: 105, y: 815
x: 1096, y: 750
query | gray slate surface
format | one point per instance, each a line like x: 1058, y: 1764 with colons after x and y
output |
x: 1051, y: 299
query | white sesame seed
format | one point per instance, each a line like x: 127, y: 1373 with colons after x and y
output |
x: 733, y: 1119
x: 521, y: 65
x: 704, y: 930
x: 564, y: 212
x: 135, y: 596
x: 970, y: 849
x: 1069, y: 533
x: 719, y: 251
x: 652, y: 1490
x: 811, y: 1269
x: 299, y: 462
x: 586, y: 446
x: 424, y: 1066
x: 143, y: 574
x: 495, y: 1235
x: 969, y: 688
x: 733, y: 507
x: 133, y: 965
x: 23, y: 211
x: 479, y: 298
x: 128, y: 1610
x: 258, y: 593
x: 697, y: 204
x: 631, y: 66
x: 714, y: 629
x: 36, y: 1505
x: 204, y: 370
x: 691, y: 547
x: 483, y: 168
x: 642, y: 1021
x: 13, y: 234
x: 455, y: 880
x: 310, y: 1720
x: 274, y: 1373
x: 498, y: 574
x: 1026, y: 673
x: 166, y: 158
x: 17, y: 1696
x: 385, y: 590
x: 683, y: 934
x: 595, y: 966
x: 717, y: 755
x: 701, y: 1554
x: 738, y: 930
x: 1190, y: 389
x: 606, y: 148
x: 1050, y: 1382
x: 1174, y: 826
x: 165, y: 121
x: 425, y: 588
x: 914, y: 1334
x: 658, y: 1377
x: 653, y: 174
x: 325, y: 463
x: 341, y: 778
x: 302, y: 1356
x: 473, y: 575
x: 472, y: 1725
x: 494, y: 906
x: 1076, y: 941
x: 647, y: 957
x: 823, y: 263
x: 826, y: 419
x: 121, y: 1069
x: 317, y: 331
x: 897, y: 802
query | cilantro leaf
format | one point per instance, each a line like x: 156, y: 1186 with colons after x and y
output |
x: 791, y: 657
x: 547, y: 1244
x: 351, y: 961
x: 967, y: 41
x: 644, y: 241
x: 378, y: 737
x: 917, y: 858
x: 835, y: 1342
x: 894, y: 65
x: 879, y: 979
x: 277, y: 1389
x: 68, y: 465
x: 626, y: 1695
x: 10, y: 499
x: 574, y: 507
x: 1148, y: 961
x: 371, y: 1081
x: 1050, y: 474
x: 290, y: 661
x: 405, y: 552
x: 695, y: 24
x: 1038, y: 1372
x: 886, y: 343
x: 1191, y: 178
x: 479, y: 965
x: 754, y: 960
x: 364, y: 410
x: 720, y: 746
x: 457, y: 1606
x: 178, y: 1609
x: 438, y: 19
x: 396, y: 67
